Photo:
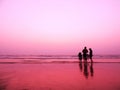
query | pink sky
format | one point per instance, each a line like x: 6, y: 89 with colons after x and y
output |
x: 59, y: 26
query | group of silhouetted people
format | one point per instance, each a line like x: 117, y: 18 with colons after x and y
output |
x: 85, y: 54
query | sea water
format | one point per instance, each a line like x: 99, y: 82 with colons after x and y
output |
x: 55, y: 58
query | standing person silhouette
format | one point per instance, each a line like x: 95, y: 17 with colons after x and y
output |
x: 90, y: 53
x: 85, y: 51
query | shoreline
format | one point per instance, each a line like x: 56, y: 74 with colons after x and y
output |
x: 52, y: 62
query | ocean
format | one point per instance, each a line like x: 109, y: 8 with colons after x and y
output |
x: 55, y: 58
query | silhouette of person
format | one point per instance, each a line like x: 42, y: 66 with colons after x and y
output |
x: 80, y: 56
x: 85, y: 51
x: 90, y: 53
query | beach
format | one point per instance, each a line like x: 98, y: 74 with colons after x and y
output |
x: 59, y: 44
x: 70, y: 75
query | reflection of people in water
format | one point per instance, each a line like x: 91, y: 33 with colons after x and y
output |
x: 86, y: 73
x: 80, y: 66
x: 85, y: 69
x: 91, y: 69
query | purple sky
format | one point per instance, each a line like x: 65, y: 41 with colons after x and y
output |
x: 59, y: 26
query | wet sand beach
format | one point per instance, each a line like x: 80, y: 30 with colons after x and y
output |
x: 60, y: 76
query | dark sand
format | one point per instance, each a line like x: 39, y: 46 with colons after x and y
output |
x: 59, y: 76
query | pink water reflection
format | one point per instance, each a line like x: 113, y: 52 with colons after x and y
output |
x: 60, y: 76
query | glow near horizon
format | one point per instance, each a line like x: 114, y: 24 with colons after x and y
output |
x: 59, y: 27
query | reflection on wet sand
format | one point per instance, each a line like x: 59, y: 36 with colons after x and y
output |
x: 4, y: 80
x: 60, y: 76
x: 3, y: 84
x: 86, y: 68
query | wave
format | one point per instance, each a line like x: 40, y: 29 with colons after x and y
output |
x: 56, y: 57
